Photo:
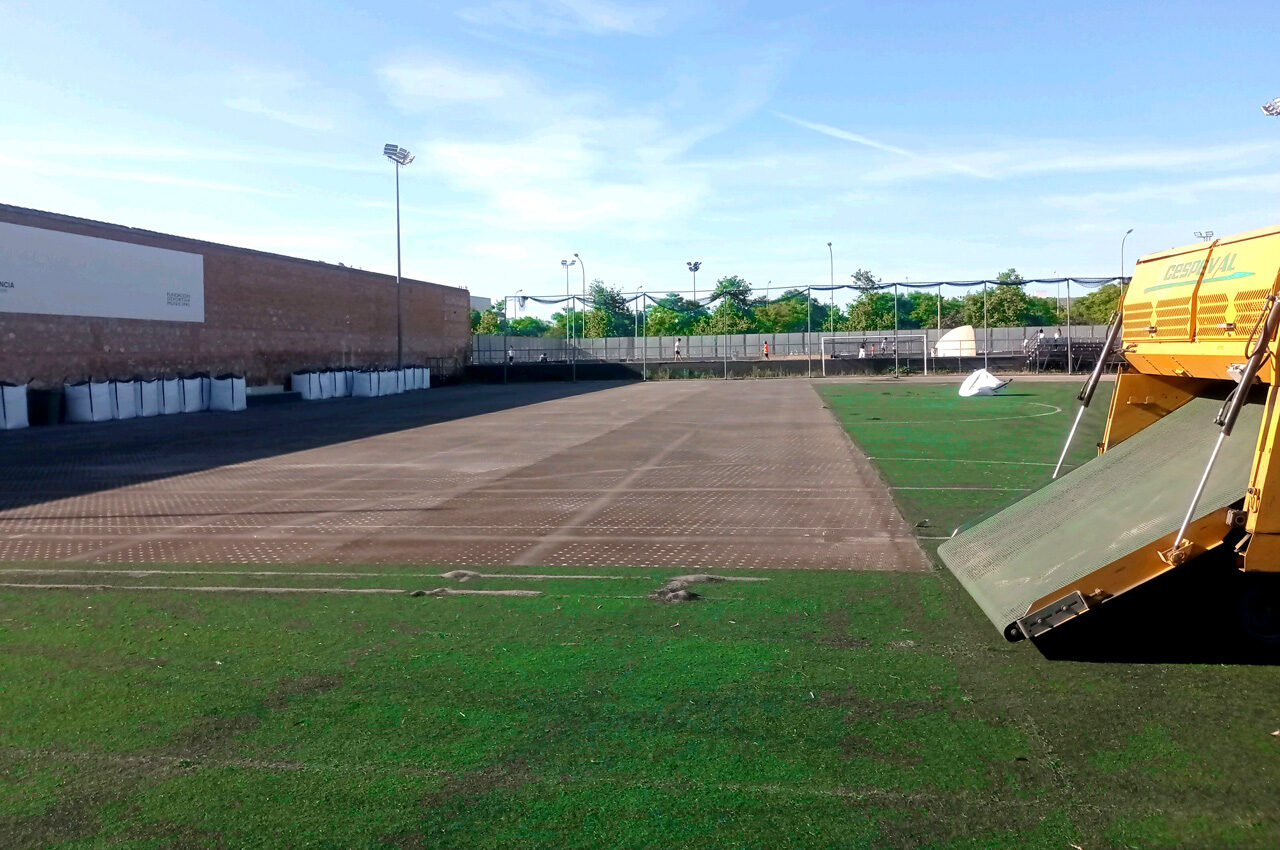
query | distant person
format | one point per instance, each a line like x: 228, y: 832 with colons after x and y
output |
x: 542, y: 358
x: 1025, y: 341
x: 1040, y: 336
x: 677, y: 348
x: 511, y: 356
x: 862, y: 352
x: 1057, y: 333
x: 766, y: 351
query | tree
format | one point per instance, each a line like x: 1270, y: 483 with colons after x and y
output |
x: 475, y: 320
x: 1010, y: 276
x: 1096, y: 307
x: 528, y: 326
x: 608, y: 315
x: 873, y: 311
x: 784, y: 315
x: 729, y: 317
x: 865, y: 280
x: 734, y: 288
x: 673, y: 316
x: 491, y: 322
x: 1007, y: 306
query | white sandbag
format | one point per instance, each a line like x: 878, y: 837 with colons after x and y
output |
x: 364, y: 384
x: 193, y: 400
x: 981, y: 383
x: 426, y: 377
x: 170, y: 396
x: 147, y: 396
x: 341, y: 384
x: 13, y: 406
x: 306, y: 383
x: 405, y: 377
x: 384, y: 382
x: 125, y: 399
x: 226, y: 392
x: 88, y: 401
x: 326, y: 384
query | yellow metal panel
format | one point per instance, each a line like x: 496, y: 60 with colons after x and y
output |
x: 1241, y: 274
x: 1140, y: 400
x: 1160, y: 302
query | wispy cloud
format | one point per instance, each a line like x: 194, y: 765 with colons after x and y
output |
x: 57, y: 169
x: 845, y: 135
x: 1187, y: 192
x: 558, y: 17
x: 256, y: 107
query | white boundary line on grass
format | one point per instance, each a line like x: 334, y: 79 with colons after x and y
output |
x: 1055, y: 409
x: 956, y: 460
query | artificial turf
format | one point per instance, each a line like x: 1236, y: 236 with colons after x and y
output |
x: 811, y: 710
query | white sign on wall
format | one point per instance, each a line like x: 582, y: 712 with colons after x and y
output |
x: 65, y: 274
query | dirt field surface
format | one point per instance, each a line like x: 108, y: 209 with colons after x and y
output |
x: 740, y: 474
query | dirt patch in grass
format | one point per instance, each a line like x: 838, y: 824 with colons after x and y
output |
x: 441, y: 592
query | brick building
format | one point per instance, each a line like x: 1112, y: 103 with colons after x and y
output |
x: 248, y: 312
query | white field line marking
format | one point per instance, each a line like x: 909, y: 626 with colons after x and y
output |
x: 1055, y: 409
x: 957, y: 460
x: 232, y: 589
x: 140, y: 573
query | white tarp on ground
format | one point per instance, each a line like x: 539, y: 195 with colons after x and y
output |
x: 124, y: 395
x: 957, y: 342
x: 981, y: 382
x: 88, y: 401
x: 170, y: 396
x: 147, y: 395
x: 226, y: 392
x: 364, y: 384
x: 193, y: 395
x: 13, y: 406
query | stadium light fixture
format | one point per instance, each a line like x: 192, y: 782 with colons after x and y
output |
x: 831, y: 313
x: 1205, y: 236
x: 693, y: 268
x: 582, y: 267
x: 1272, y: 107
x: 400, y: 157
x: 569, y: 319
x: 1122, y: 266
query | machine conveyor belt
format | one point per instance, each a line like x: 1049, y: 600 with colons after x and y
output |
x: 1116, y: 504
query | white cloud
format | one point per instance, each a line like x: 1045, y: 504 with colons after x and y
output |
x: 256, y: 91
x: 418, y: 85
x: 935, y: 163
x: 58, y: 169
x: 1187, y: 192
x: 255, y: 107
x: 557, y: 17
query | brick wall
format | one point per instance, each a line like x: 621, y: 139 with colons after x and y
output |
x: 265, y: 316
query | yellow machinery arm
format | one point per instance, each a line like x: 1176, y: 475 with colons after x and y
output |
x: 1169, y: 483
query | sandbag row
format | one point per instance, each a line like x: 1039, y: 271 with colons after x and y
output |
x: 13, y: 406
x: 98, y: 401
x: 366, y: 383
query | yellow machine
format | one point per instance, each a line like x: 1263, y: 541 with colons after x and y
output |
x: 1188, y: 463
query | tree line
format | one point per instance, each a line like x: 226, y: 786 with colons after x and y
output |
x: 740, y: 311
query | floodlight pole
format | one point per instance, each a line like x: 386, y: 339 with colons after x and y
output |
x: 808, y: 328
x: 831, y: 311
x: 895, y: 328
x: 1069, y: 369
x: 583, y: 267
x: 1122, y: 266
x: 569, y: 322
x: 986, y: 333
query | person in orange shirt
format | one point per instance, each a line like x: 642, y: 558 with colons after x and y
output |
x: 766, y: 351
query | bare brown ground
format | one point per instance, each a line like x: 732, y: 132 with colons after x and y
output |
x: 698, y: 474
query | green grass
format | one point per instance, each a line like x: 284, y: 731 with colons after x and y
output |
x: 813, y: 710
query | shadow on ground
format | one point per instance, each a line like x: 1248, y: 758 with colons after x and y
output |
x: 46, y: 463
x: 1203, y: 613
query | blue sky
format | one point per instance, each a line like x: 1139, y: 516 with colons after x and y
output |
x: 925, y: 140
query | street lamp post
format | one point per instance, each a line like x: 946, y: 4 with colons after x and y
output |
x: 583, y: 268
x: 831, y: 312
x: 400, y: 158
x: 808, y: 327
x: 569, y: 320
x: 1122, y: 266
